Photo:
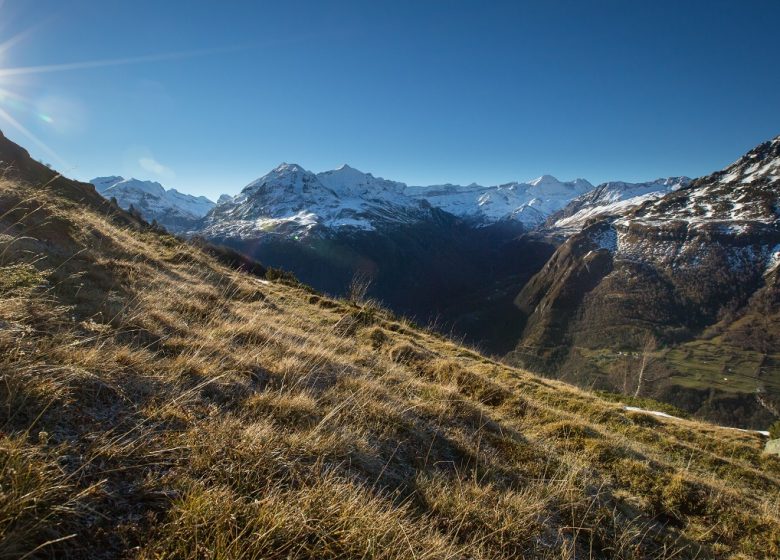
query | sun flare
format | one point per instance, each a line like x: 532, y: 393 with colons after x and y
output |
x: 14, y: 106
x: 17, y: 109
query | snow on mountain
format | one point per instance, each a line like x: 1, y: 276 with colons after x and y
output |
x: 701, y: 260
x: 610, y: 199
x: 348, y: 181
x: 529, y: 203
x: 746, y: 191
x: 293, y: 201
x: 731, y: 216
x: 176, y: 211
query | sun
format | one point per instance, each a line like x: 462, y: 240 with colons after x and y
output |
x: 14, y: 106
x: 16, y: 109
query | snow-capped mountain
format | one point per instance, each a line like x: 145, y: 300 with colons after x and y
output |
x: 746, y: 191
x: 292, y: 201
x: 177, y: 212
x: 528, y: 203
x: 609, y: 199
x: 295, y: 202
x: 349, y: 182
x: 698, y: 265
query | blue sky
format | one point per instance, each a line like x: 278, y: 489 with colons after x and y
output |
x: 420, y: 91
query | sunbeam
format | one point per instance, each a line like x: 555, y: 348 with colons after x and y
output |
x: 5, y: 116
x: 21, y: 36
x: 46, y: 68
x: 12, y: 103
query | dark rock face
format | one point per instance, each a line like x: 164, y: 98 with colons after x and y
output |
x: 697, y: 267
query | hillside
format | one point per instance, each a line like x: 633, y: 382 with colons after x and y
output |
x: 684, y: 286
x: 448, y: 255
x: 157, y: 404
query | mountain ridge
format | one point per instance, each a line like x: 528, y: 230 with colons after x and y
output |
x: 695, y: 270
x: 158, y: 404
x: 343, y: 197
x: 178, y: 212
x: 610, y: 198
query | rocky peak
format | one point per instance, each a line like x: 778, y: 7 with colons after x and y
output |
x: 762, y: 163
x: 746, y: 191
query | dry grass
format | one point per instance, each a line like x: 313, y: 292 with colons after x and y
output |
x: 155, y: 404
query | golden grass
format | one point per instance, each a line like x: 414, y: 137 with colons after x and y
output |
x: 155, y: 404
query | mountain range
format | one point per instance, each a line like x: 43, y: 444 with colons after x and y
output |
x: 290, y: 200
x: 565, y: 278
x: 165, y: 398
x: 175, y: 211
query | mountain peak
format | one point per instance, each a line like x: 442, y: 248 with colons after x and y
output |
x: 543, y: 180
x: 108, y: 179
x: 107, y: 185
x: 762, y: 163
x: 285, y: 167
x: 346, y: 170
x: 352, y: 182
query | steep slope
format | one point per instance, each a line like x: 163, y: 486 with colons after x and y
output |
x: 175, y: 211
x: 609, y: 199
x: 695, y: 270
x: 527, y: 203
x: 156, y: 404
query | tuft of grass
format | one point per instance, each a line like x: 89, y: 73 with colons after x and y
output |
x: 774, y: 430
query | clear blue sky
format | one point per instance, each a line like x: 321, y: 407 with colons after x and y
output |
x: 419, y: 91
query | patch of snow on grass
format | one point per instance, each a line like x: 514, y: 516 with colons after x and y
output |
x: 665, y: 415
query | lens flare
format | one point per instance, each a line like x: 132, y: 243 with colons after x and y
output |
x: 5, y: 116
x: 13, y: 104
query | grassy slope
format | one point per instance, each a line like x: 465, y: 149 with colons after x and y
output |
x: 155, y: 404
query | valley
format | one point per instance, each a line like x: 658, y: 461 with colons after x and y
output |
x: 564, y: 278
x: 165, y: 399
x: 338, y: 280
